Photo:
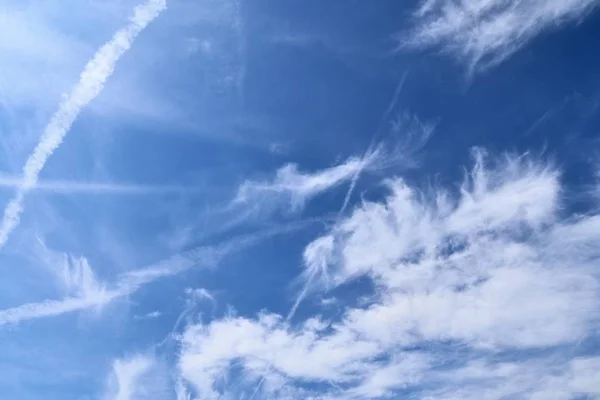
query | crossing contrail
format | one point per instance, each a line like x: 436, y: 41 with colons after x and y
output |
x: 91, y: 82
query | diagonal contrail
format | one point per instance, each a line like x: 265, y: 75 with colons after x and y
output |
x: 91, y: 82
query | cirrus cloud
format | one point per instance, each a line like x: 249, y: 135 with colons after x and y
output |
x: 483, y: 33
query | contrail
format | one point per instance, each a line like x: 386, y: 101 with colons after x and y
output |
x: 91, y: 82
x: 300, y: 297
x: 370, y: 153
x: 130, y: 282
x: 71, y: 187
x: 372, y: 150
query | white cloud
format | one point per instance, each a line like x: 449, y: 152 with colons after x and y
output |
x: 477, y: 294
x: 293, y: 188
x: 129, y: 382
x: 53, y: 308
x: 200, y: 294
x: 296, y: 187
x: 544, y: 379
x: 150, y: 315
x: 71, y: 187
x: 91, y: 83
x: 483, y: 33
x: 86, y: 292
x: 78, y: 277
x: 181, y: 391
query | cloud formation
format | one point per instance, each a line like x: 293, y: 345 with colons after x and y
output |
x: 484, y: 292
x: 483, y: 33
x: 72, y: 187
x: 295, y: 187
x: 91, y: 82
x: 292, y: 188
x: 129, y: 379
x: 85, y: 291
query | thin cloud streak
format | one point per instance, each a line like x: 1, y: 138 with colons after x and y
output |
x: 297, y: 187
x: 484, y: 33
x: 71, y: 187
x: 127, y: 374
x: 371, y: 149
x: 91, y: 83
x: 129, y: 283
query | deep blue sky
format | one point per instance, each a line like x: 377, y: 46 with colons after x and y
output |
x: 299, y: 199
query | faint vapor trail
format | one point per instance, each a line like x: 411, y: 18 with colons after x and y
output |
x: 95, y: 187
x: 371, y: 149
x: 370, y: 153
x: 91, y: 82
x: 130, y: 282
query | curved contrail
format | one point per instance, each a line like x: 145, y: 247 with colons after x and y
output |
x: 91, y: 82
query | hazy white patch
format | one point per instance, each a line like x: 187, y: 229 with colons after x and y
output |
x: 200, y: 294
x: 221, y: 42
x: 181, y: 391
x: 30, y: 46
x: 205, y: 46
x: 317, y: 257
x: 483, y: 33
x: 542, y: 379
x: 127, y: 373
x: 328, y: 301
x: 279, y: 148
x: 458, y: 277
x: 150, y: 315
x: 137, y: 378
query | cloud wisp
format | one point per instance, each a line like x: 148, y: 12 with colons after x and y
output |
x: 135, y: 378
x: 484, y: 33
x: 95, y: 188
x: 294, y: 188
x: 484, y: 292
x: 86, y: 292
x: 91, y: 82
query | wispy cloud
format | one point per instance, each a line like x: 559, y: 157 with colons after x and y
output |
x: 295, y: 187
x: 200, y: 294
x: 476, y: 294
x: 150, y: 315
x: 483, y: 33
x: 127, y: 375
x: 291, y: 188
x: 91, y: 83
x: 412, y: 135
x: 71, y: 187
x: 86, y: 292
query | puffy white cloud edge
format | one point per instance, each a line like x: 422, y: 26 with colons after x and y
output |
x: 484, y: 292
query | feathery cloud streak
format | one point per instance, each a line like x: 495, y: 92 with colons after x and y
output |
x: 86, y: 292
x: 297, y: 187
x: 91, y: 82
x: 483, y: 33
x: 293, y: 188
x: 69, y: 187
x: 127, y: 375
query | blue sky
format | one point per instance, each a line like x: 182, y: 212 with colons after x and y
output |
x: 230, y: 199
